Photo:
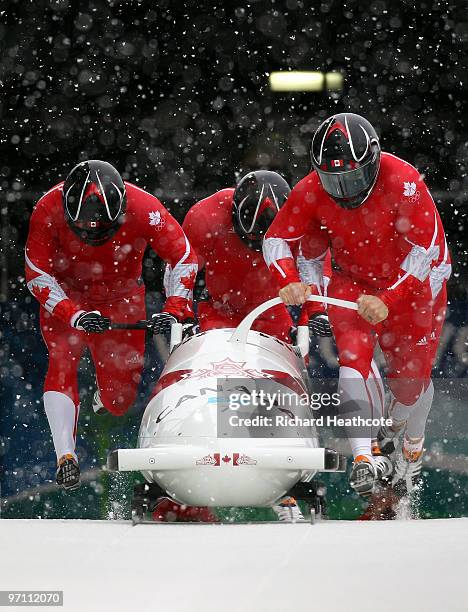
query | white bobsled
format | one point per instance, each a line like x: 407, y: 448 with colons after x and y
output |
x: 180, y: 444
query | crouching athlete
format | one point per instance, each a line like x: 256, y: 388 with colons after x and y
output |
x: 84, y: 253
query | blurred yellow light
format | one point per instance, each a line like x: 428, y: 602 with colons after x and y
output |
x: 297, y: 80
x: 334, y: 81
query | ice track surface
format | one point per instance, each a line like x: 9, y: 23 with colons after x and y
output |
x: 333, y: 566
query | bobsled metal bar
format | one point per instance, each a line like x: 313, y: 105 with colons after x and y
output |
x: 176, y: 330
x: 176, y: 335
x: 135, y: 459
x: 158, y: 459
x: 241, y: 332
x: 303, y: 339
x: 137, y: 325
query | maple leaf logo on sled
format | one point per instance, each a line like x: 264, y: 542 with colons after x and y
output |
x: 409, y: 189
x: 155, y: 219
x: 226, y: 368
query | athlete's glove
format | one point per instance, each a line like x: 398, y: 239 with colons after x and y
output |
x: 320, y: 326
x: 92, y: 322
x: 190, y: 327
x: 161, y: 323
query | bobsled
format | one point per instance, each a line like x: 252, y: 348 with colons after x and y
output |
x: 185, y: 444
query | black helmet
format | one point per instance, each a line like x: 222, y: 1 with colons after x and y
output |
x: 258, y: 197
x: 346, y: 155
x: 94, y: 200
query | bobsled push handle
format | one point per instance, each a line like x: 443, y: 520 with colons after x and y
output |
x: 176, y: 335
x: 137, y: 325
x: 176, y: 330
x: 303, y: 339
x: 241, y: 332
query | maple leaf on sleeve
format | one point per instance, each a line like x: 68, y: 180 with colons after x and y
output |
x: 41, y: 293
x: 188, y: 280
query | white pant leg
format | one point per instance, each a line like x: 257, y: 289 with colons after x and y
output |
x: 62, y: 415
x: 375, y: 387
x: 416, y: 424
x: 356, y: 401
x: 400, y: 413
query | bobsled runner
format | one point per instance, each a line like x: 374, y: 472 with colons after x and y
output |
x: 185, y: 449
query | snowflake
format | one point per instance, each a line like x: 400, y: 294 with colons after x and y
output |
x: 409, y: 189
x: 155, y: 219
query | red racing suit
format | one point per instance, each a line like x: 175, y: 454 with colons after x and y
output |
x: 236, y: 277
x: 394, y: 247
x: 68, y: 276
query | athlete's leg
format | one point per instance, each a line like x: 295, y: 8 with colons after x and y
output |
x: 377, y: 392
x: 355, y: 342
x: 405, y: 339
x: 61, y: 399
x: 62, y: 414
x: 118, y: 355
x: 359, y: 384
x: 416, y: 425
x: 410, y: 357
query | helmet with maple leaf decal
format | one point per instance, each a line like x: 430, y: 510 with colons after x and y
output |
x: 257, y: 198
x: 94, y: 201
x: 346, y: 155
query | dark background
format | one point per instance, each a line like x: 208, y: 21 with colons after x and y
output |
x: 176, y: 96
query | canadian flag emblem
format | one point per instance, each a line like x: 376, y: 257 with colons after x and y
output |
x: 41, y: 293
x: 337, y: 163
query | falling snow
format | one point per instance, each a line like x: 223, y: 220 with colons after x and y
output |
x: 178, y: 100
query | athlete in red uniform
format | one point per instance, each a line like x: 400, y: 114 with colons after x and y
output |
x: 226, y: 231
x: 84, y: 254
x: 376, y: 215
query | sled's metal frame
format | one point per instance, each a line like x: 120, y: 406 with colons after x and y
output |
x: 312, y: 520
x: 145, y: 496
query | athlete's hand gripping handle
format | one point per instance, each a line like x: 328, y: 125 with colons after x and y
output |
x: 92, y: 322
